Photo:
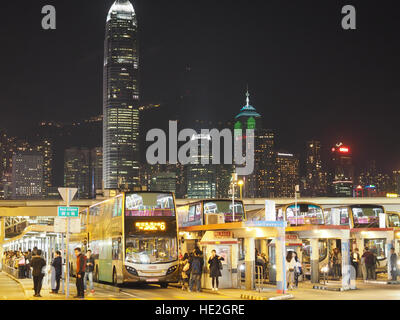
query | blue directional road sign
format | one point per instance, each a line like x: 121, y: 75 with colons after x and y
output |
x: 68, y: 212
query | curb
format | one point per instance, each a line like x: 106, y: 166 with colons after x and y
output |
x: 328, y: 288
x: 19, y: 283
x: 107, y: 287
x: 251, y: 297
x: 381, y: 282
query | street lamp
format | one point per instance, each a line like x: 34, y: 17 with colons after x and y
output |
x: 241, y: 183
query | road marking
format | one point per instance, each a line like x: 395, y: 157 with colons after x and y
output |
x: 128, y: 294
x: 180, y: 298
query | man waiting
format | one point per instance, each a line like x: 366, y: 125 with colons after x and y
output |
x: 89, y: 271
x: 80, y: 273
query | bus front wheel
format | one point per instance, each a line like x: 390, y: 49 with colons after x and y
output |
x: 164, y: 285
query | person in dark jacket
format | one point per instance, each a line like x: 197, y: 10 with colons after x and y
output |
x: 57, y: 264
x: 196, y: 263
x: 80, y: 273
x: 89, y: 271
x: 37, y: 265
x: 215, y: 269
x: 393, y: 264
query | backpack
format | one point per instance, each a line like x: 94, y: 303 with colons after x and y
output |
x: 220, y: 265
x: 369, y: 259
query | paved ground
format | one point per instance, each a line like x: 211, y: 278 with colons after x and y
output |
x: 9, y: 289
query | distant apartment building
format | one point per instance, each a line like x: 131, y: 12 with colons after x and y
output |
x: 27, y: 175
x: 83, y: 170
x: 286, y: 174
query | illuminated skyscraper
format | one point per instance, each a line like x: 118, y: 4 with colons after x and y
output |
x: 286, y: 175
x: 315, y: 179
x: 121, y: 98
x: 341, y: 171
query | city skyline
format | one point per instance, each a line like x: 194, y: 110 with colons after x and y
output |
x: 286, y: 88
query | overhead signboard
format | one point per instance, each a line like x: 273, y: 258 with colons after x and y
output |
x: 68, y: 212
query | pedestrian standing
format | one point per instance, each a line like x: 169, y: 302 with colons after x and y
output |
x: 369, y: 263
x: 297, y: 269
x: 185, y: 267
x: 195, y: 274
x: 57, y: 265
x: 355, y: 260
x: 21, y: 266
x: 290, y: 265
x: 215, y: 269
x: 37, y: 265
x: 80, y: 273
x: 89, y: 271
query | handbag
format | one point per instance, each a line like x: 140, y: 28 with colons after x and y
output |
x: 186, y: 267
x: 220, y: 265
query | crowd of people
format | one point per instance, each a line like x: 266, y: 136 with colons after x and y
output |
x: 191, y: 268
x: 18, y: 261
x: 31, y: 264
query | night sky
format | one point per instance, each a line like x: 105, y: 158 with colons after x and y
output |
x: 307, y: 76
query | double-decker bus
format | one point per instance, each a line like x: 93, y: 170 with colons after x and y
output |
x: 133, y: 238
x: 212, y: 211
x: 300, y: 214
x: 368, y: 223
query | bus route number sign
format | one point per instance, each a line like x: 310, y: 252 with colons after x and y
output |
x: 150, y: 226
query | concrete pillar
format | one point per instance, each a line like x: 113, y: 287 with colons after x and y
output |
x: 314, y: 260
x: 389, y: 245
x: 2, y: 230
x: 348, y: 272
x: 280, y: 261
x: 249, y: 259
x: 264, y: 246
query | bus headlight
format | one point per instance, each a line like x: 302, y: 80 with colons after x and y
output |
x: 132, y: 271
x: 172, y: 269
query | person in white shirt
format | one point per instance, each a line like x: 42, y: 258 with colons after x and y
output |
x: 290, y: 268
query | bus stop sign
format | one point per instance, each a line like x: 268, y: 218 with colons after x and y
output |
x: 68, y: 212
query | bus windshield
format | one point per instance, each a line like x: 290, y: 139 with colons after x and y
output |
x: 394, y: 220
x: 304, y: 214
x: 225, y: 207
x: 151, y: 250
x: 366, y: 216
x: 149, y: 205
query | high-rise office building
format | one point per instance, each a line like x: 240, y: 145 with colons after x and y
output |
x: 315, y: 179
x: 77, y: 173
x: 341, y: 171
x: 286, y: 175
x: 96, y: 166
x: 121, y: 98
x: 164, y: 181
x: 27, y: 175
x: 264, y: 161
x: 201, y: 178
x: 249, y: 118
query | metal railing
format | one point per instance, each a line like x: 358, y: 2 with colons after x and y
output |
x: 259, y: 277
x: 11, y: 271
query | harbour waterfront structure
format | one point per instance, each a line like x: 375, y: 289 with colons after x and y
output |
x: 121, y: 98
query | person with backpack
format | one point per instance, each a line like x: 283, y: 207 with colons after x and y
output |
x: 37, y: 265
x: 80, y: 273
x: 196, y: 270
x: 215, y: 269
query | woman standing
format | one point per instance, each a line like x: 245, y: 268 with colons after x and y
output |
x: 185, y: 271
x: 290, y: 265
x: 215, y: 269
x: 297, y: 269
